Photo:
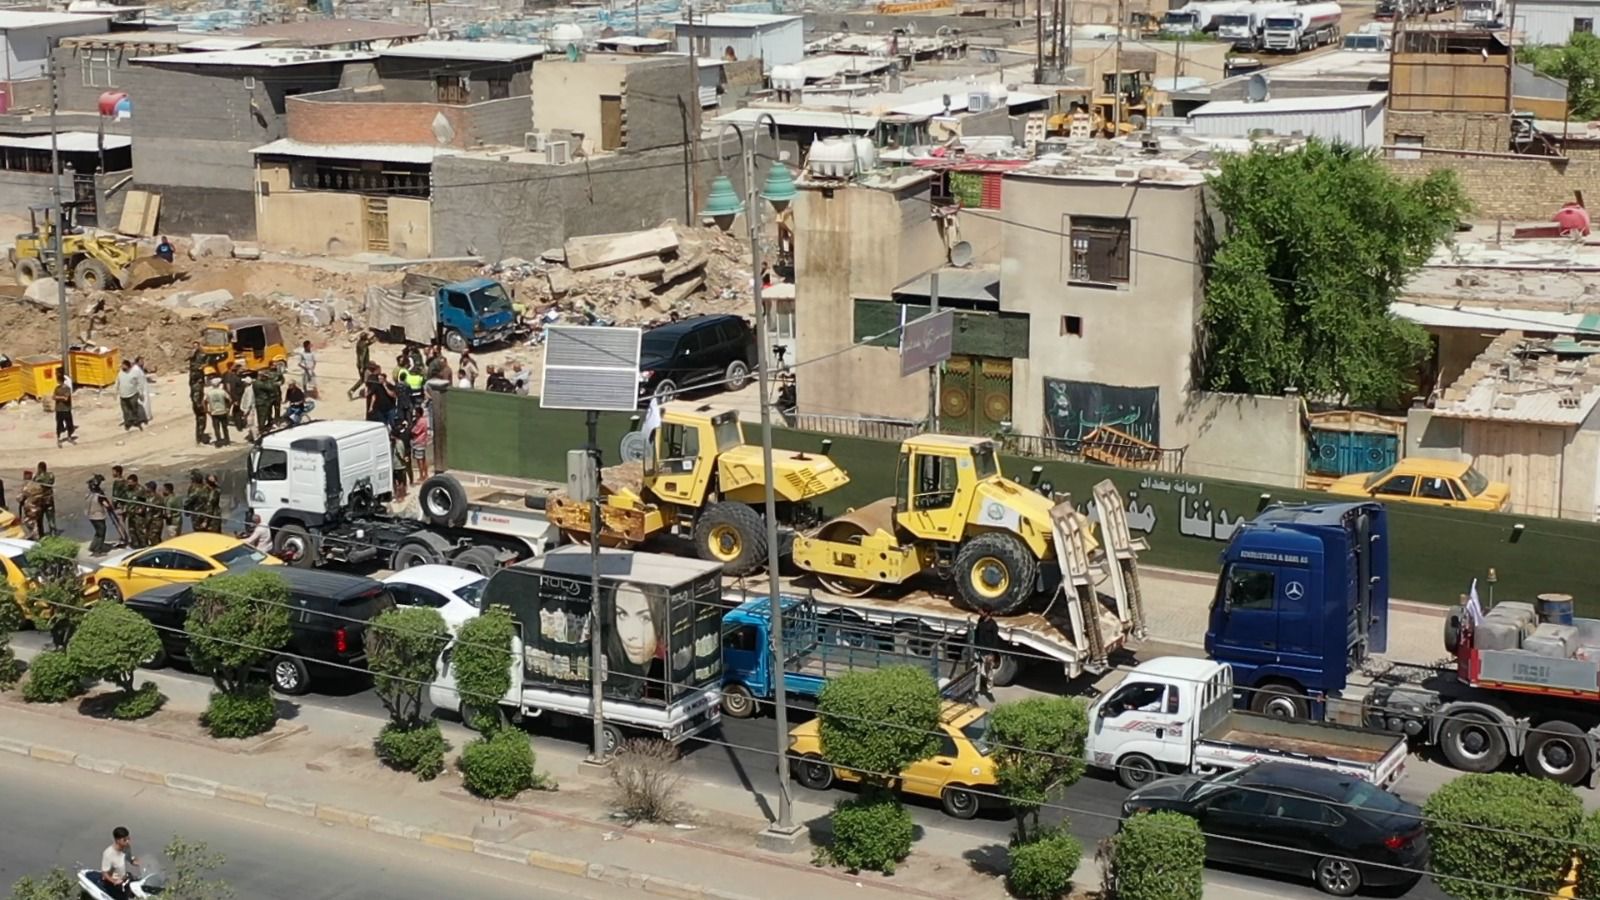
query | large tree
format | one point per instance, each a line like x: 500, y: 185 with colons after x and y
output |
x: 1314, y: 244
x: 1579, y: 64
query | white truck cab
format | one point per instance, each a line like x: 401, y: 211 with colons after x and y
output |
x: 1175, y: 714
x: 313, y: 469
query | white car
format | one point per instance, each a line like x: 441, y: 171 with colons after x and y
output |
x: 454, y: 592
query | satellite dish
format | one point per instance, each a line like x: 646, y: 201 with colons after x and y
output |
x: 961, y: 254
x: 443, y: 131
x: 1255, y: 90
x: 634, y: 447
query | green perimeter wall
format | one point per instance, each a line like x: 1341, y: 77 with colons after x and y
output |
x: 1435, y: 553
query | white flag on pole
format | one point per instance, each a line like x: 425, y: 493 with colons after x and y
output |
x: 1474, y: 608
x: 652, y: 420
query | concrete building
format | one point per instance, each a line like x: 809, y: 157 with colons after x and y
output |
x: 88, y: 66
x: 776, y: 40
x: 1551, y: 22
x: 26, y: 37
x: 604, y: 102
x: 1352, y: 119
x: 91, y: 166
x: 1451, y: 90
x: 201, y: 115
x: 1334, y: 72
x: 334, y: 34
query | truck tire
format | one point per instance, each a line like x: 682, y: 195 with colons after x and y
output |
x: 1452, y: 633
x: 1279, y: 701
x: 732, y: 534
x: 414, y: 553
x: 1473, y: 743
x: 443, y: 501
x: 996, y: 571
x: 1136, y: 770
x: 1007, y: 667
x: 454, y: 341
x: 1558, y: 751
x: 812, y: 772
x: 476, y: 559
x: 294, y: 545
x: 611, y: 738
x: 92, y: 275
x: 29, y: 270
x: 737, y: 702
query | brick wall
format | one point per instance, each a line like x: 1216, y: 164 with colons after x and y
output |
x: 1483, y: 132
x: 320, y: 121
x: 1530, y: 188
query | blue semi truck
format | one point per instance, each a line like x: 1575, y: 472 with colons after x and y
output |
x: 1302, y: 604
x: 457, y: 314
x: 819, y: 648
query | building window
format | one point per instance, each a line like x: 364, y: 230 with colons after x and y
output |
x: 783, y: 320
x: 1072, y: 326
x: 1100, y: 249
x: 499, y: 88
x: 1583, y: 26
x: 1404, y: 141
x: 355, y: 177
x: 96, y: 68
x: 451, y: 88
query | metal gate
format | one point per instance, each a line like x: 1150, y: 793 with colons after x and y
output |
x: 1344, y: 442
x: 84, y: 195
x: 974, y: 394
x: 377, y: 224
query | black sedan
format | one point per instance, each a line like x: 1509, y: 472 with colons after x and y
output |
x: 1339, y: 831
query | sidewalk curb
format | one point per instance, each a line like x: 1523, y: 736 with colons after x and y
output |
x: 339, y: 816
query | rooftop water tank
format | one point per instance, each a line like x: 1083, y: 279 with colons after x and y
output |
x: 566, y: 33
x: 831, y: 158
x: 788, y: 78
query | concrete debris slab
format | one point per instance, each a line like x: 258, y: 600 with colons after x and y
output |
x: 650, y: 268
x: 605, y: 249
x: 43, y: 292
x: 209, y: 301
x: 246, y: 251
x: 210, y: 246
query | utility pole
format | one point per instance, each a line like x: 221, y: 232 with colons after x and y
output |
x: 1116, y: 76
x: 1038, y: 41
x: 933, y: 370
x: 60, y: 215
x: 694, y: 118
x: 597, y: 755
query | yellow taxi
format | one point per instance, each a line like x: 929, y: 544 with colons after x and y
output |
x: 959, y: 775
x: 1436, y: 482
x: 184, y: 559
x: 18, y: 574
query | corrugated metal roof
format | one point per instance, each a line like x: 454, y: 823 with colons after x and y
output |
x: 487, y: 51
x: 260, y: 57
x: 401, y: 153
x: 1499, y: 401
x: 1496, y: 319
x: 1331, y: 103
x: 68, y: 142
x: 11, y: 20
x: 1532, y: 380
x: 804, y: 118
x: 738, y: 20
x: 321, y: 32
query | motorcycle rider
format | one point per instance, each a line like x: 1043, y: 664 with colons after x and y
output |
x: 114, y: 863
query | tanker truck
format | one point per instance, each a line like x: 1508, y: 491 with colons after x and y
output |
x: 1199, y: 17
x: 1306, y: 26
x: 1242, y: 27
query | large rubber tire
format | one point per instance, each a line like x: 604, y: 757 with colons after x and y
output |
x: 476, y: 559
x: 93, y: 275
x: 30, y: 270
x: 1558, y: 751
x: 996, y: 571
x: 1136, y: 770
x: 736, y: 376
x: 737, y: 702
x: 1473, y: 743
x: 1007, y: 668
x: 732, y: 534
x: 289, y: 676
x: 611, y: 738
x: 960, y: 803
x: 1279, y: 701
x: 1452, y: 633
x: 294, y: 545
x: 1337, y: 876
x: 443, y: 501
x: 454, y: 341
x: 109, y: 591
x: 813, y: 773
x: 413, y: 553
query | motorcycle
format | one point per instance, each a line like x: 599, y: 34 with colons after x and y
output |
x: 91, y: 882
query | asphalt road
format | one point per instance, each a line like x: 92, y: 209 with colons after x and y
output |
x: 741, y: 757
x: 268, y: 855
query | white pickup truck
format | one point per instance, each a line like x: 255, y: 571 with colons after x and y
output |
x: 1174, y: 714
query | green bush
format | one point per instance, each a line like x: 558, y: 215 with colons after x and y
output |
x: 1042, y: 868
x: 500, y: 765
x: 246, y: 713
x: 872, y: 831
x: 482, y: 665
x: 111, y: 643
x: 419, y: 749
x: 1502, y: 829
x: 402, y: 646
x: 10, y: 620
x: 1158, y: 856
x: 1038, y: 749
x: 1589, y: 856
x: 57, y: 884
x: 52, y: 678
x: 140, y: 703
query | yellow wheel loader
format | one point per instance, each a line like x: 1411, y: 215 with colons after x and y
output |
x: 94, y: 262
x: 700, y: 479
x: 954, y: 515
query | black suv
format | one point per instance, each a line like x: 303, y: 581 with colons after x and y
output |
x: 696, y: 351
x: 328, y: 619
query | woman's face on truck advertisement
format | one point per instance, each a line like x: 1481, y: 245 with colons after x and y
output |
x: 636, y: 625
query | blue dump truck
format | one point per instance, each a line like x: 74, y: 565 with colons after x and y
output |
x: 818, y: 648
x: 458, y: 314
x: 1303, y: 603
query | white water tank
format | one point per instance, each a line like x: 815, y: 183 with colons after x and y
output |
x: 788, y: 78
x: 831, y: 158
x: 566, y: 33
x: 866, y: 155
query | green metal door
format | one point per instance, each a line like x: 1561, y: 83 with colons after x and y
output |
x: 974, y: 394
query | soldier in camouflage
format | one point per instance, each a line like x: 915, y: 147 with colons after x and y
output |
x: 213, y: 504
x: 194, y: 501
x: 46, y: 480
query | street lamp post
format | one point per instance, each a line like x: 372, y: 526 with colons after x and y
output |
x: 779, y: 189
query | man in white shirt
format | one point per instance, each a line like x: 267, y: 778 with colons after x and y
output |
x: 259, y: 536
x: 114, y: 863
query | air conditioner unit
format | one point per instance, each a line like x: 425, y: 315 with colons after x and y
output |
x: 557, y: 153
x: 978, y: 101
x: 533, y: 140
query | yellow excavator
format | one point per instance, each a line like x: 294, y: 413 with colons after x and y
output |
x: 94, y: 262
x: 1096, y: 115
x: 954, y: 515
x: 700, y: 479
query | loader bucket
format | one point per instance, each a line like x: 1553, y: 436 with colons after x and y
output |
x: 147, y: 271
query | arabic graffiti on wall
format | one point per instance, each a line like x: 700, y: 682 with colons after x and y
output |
x: 1196, y: 516
x: 1072, y: 409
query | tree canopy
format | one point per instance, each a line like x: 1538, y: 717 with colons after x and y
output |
x: 1038, y: 749
x: 1313, y: 247
x: 402, y: 646
x: 878, y: 722
x: 1579, y: 64
x: 238, y: 623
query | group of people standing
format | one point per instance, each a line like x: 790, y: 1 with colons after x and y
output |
x: 251, y: 402
x: 145, y: 514
x: 36, y: 502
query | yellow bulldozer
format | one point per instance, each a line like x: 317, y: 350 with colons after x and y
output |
x: 94, y: 262
x: 700, y: 479
x: 954, y: 515
x: 1096, y: 115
